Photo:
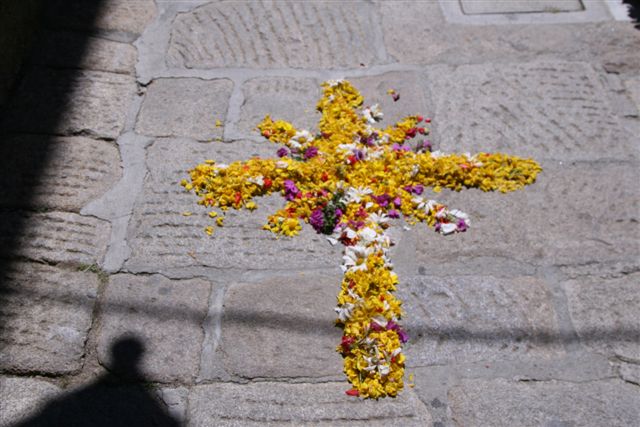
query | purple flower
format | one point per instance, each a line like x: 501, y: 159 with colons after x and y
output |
x: 375, y: 326
x: 290, y: 190
x: 418, y: 189
x: 339, y: 213
x: 359, y: 154
x: 310, y: 152
x: 382, y: 200
x: 404, y: 337
x: 462, y: 226
x: 282, y: 152
x: 317, y: 220
x: 393, y: 213
x: 397, y: 201
x: 437, y: 227
x: 398, y: 147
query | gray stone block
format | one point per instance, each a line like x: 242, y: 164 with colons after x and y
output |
x: 22, y: 397
x: 284, y: 98
x: 605, y: 314
x: 61, y: 48
x: 54, y: 237
x: 275, y: 35
x: 464, y: 319
x: 550, y: 403
x: 57, y: 172
x: 282, y: 327
x: 551, y: 110
x: 166, y: 315
x: 185, y: 107
x: 45, y: 318
x: 163, y: 239
x: 575, y: 213
x: 123, y: 18
x: 633, y: 88
x: 71, y: 102
x: 324, y: 404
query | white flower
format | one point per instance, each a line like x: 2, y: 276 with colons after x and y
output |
x: 379, y: 218
x: 221, y: 166
x: 368, y: 235
x: 258, y: 180
x: 437, y: 154
x: 380, y: 320
x: 448, y: 228
x: 355, y: 258
x: 282, y: 164
x: 356, y: 194
x: 372, y: 114
x: 334, y: 82
x: 345, y: 311
x: 347, y: 148
x: 300, y: 138
x: 332, y: 240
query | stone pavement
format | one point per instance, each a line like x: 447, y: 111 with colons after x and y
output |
x: 529, y: 318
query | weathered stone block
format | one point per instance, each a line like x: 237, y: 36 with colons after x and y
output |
x: 575, y: 213
x: 462, y: 319
x: 184, y: 107
x: 57, y: 172
x: 266, y: 325
x: 285, y: 98
x: 45, y: 317
x: 22, y: 397
x: 299, y: 404
x: 542, y: 109
x: 605, y: 314
x: 123, y: 17
x: 162, y: 238
x: 72, y: 50
x: 53, y: 237
x: 166, y: 315
x: 71, y: 102
x: 275, y: 35
x: 550, y: 403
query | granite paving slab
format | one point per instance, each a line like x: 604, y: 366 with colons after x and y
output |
x: 464, y: 319
x: 185, y: 108
x: 552, y: 403
x: 53, y: 237
x: 265, y: 326
x: 279, y: 404
x: 165, y: 315
x: 274, y: 34
x: 45, y: 316
x: 71, y: 102
x: 61, y: 49
x: 576, y: 213
x: 21, y: 397
x: 605, y: 314
x: 62, y: 173
x: 162, y: 238
x: 556, y: 110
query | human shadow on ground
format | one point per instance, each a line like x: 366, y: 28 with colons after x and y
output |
x: 116, y: 398
x: 634, y: 11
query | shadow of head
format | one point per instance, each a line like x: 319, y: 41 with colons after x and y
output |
x: 126, y: 356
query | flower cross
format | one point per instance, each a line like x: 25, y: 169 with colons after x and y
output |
x: 349, y: 181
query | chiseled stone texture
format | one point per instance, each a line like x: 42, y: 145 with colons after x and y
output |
x: 550, y: 403
x: 276, y: 34
x: 45, y: 317
x: 124, y: 17
x: 556, y: 110
x: 462, y: 319
x: 324, y: 404
x: 605, y: 314
x: 185, y: 107
x: 21, y: 397
x: 53, y: 237
x: 283, y: 98
x: 57, y: 172
x: 162, y: 239
x: 417, y: 33
x: 166, y: 315
x: 265, y: 326
x: 71, y: 102
x: 575, y: 213
x: 73, y: 50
